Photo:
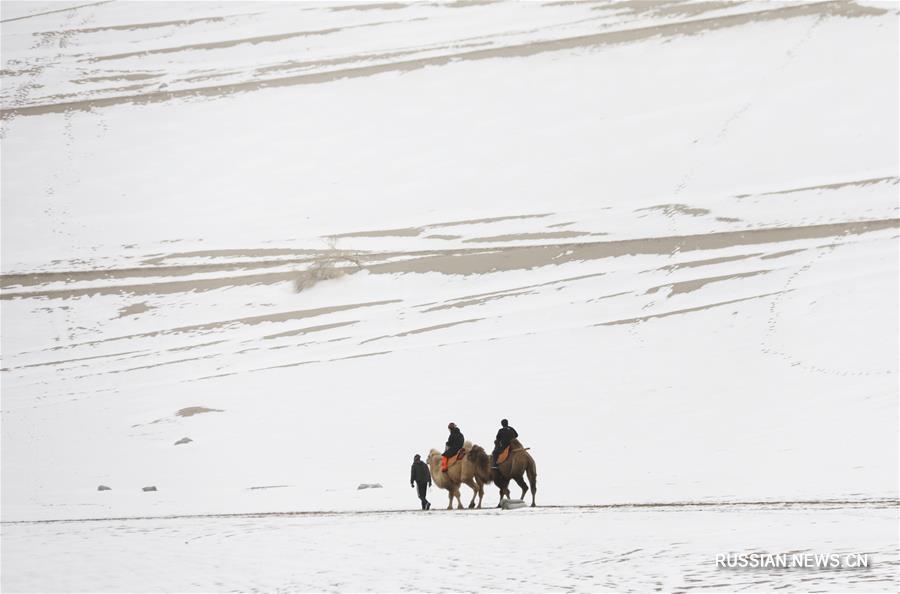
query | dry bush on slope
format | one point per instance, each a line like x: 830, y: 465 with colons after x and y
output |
x: 333, y: 263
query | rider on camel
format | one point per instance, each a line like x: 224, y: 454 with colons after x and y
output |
x: 454, y: 444
x: 504, y: 436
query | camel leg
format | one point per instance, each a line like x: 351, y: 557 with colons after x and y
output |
x: 532, y: 480
x: 480, y: 484
x: 459, y: 504
x: 450, y: 495
x: 471, y: 485
x: 503, y: 491
x: 521, y: 482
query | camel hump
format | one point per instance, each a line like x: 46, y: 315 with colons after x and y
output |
x: 467, y: 445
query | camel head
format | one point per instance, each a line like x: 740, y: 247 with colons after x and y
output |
x: 434, y: 458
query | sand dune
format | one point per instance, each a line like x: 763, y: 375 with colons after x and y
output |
x: 659, y: 236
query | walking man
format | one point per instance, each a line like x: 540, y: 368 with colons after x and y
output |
x: 421, y: 477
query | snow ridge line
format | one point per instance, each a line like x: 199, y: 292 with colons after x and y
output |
x: 885, y: 502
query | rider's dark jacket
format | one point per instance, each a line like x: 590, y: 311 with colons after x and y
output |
x: 504, y: 436
x: 454, y: 442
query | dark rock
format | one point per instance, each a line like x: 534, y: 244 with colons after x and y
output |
x: 149, y: 489
x: 103, y: 488
x: 184, y: 440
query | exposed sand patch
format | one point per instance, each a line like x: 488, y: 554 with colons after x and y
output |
x: 445, y: 237
x: 692, y: 285
x: 524, y: 257
x: 76, y: 360
x: 478, y: 301
x: 249, y: 321
x: 39, y: 278
x: 235, y: 253
x: 191, y: 347
x: 138, y: 26
x: 370, y: 6
x: 134, y: 309
x: 416, y: 231
x: 36, y: 14
x: 310, y: 329
x: 425, y: 329
x: 288, y: 365
x: 306, y: 66
x: 230, y: 42
x: 117, y: 78
x: 528, y: 236
x: 123, y: 355
x: 482, y: 297
x: 152, y: 366
x: 708, y: 262
x: 489, y: 220
x: 781, y: 254
x: 836, y: 186
x: 195, y: 410
x: 163, y: 288
x: 361, y: 356
x: 674, y: 209
x: 405, y: 232
x: 686, y: 310
x: 692, y: 9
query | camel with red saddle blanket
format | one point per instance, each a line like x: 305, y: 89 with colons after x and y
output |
x: 471, y: 467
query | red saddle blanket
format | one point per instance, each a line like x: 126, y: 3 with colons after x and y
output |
x: 447, y: 463
x: 503, y: 455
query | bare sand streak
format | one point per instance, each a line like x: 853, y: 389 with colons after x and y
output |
x: 232, y: 42
x: 689, y: 286
x: 519, y: 258
x: 711, y: 261
x: 39, y: 278
x: 691, y: 27
x: 528, y: 236
x: 836, y: 186
x: 503, y: 258
x: 138, y: 26
x: 249, y: 321
x: 686, y: 310
x: 37, y: 14
x: 425, y: 329
x: 309, y: 329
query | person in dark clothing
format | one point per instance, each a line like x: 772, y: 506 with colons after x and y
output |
x: 454, y: 443
x: 420, y: 476
x: 504, y: 436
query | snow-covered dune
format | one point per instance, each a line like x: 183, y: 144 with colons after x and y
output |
x: 659, y: 237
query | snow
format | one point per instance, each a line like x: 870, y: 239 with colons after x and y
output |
x: 618, y: 549
x: 661, y: 239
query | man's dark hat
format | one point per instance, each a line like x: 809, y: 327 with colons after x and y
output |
x: 504, y: 422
